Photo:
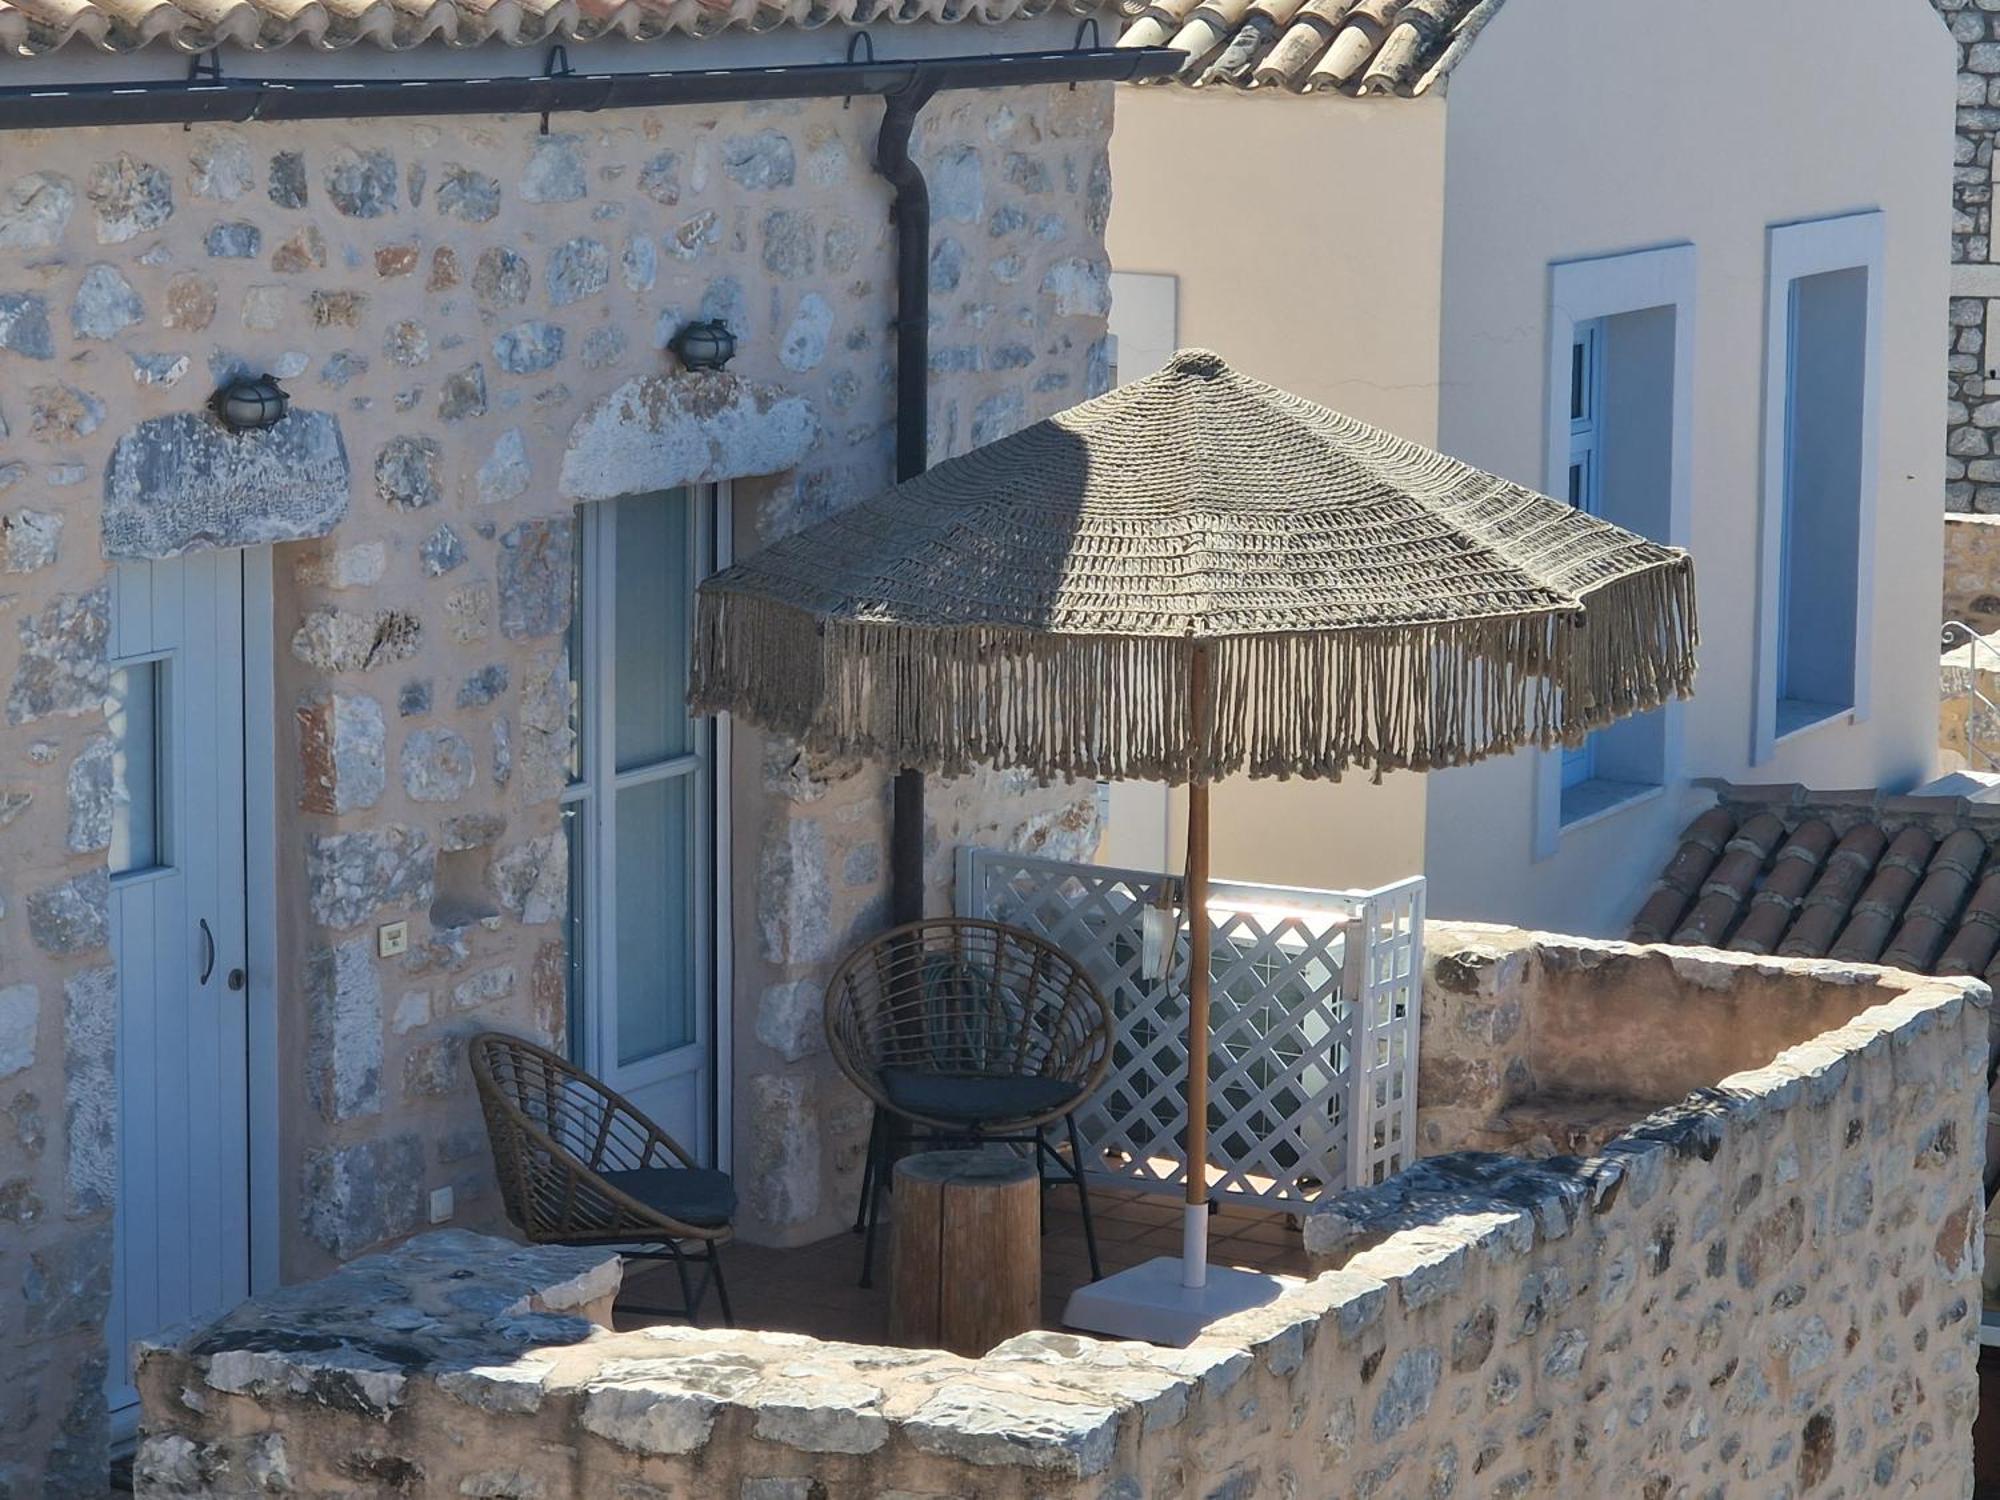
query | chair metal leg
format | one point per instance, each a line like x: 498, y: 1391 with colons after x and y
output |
x: 867, y: 1171
x: 688, y: 1300
x: 871, y: 1206
x: 721, y: 1288
x: 1044, y: 1159
x: 1083, y: 1197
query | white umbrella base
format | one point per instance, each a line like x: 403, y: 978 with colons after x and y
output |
x: 1149, y: 1303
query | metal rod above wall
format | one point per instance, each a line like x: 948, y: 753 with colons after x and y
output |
x: 249, y: 100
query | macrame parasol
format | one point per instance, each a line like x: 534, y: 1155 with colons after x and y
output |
x: 1194, y: 576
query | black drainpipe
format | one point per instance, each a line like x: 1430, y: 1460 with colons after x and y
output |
x: 913, y: 360
x: 905, y: 87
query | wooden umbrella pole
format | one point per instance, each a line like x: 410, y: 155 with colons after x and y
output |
x: 1194, y: 1222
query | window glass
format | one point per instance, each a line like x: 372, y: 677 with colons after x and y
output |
x: 637, y: 806
x: 653, y: 909
x: 1819, y: 560
x: 574, y: 816
x: 138, y: 798
x: 573, y: 661
x: 652, y: 608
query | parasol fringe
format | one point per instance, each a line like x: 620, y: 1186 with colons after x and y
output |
x: 1318, y: 704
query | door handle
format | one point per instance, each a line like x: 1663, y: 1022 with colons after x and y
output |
x: 208, y: 951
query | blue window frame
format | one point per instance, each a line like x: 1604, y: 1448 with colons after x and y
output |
x: 1586, y: 480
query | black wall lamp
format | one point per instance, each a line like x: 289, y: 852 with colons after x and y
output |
x: 250, y: 403
x: 704, y: 345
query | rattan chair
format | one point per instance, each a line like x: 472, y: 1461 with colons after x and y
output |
x: 972, y: 1032
x: 578, y: 1165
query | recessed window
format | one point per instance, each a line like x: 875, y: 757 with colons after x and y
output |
x: 1617, y: 419
x: 1822, y: 373
x: 137, y: 720
x: 1621, y: 414
x: 1820, y: 546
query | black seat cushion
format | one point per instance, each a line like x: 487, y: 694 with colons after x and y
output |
x: 975, y: 1098
x: 693, y: 1195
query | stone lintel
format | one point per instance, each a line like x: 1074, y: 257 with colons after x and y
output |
x: 658, y: 432
x: 182, y: 482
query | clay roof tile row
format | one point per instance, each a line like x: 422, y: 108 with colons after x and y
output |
x: 1334, y: 47
x: 1911, y: 882
x: 34, y: 27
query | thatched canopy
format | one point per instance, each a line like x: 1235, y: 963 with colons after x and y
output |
x: 1364, y: 603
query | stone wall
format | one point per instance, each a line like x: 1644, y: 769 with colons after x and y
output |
x: 1972, y: 463
x: 1972, y: 571
x: 1771, y: 1285
x: 469, y: 316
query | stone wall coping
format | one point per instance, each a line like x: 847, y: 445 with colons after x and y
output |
x: 1969, y: 518
x: 454, y: 1305
x: 1052, y: 1404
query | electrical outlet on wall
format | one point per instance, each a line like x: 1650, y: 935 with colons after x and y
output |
x: 392, y: 938
x: 440, y: 1204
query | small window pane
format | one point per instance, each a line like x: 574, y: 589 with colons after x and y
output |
x: 1579, y: 366
x: 654, y: 987
x: 1576, y: 489
x: 573, y: 816
x: 650, y: 656
x: 138, y: 796
x: 573, y: 648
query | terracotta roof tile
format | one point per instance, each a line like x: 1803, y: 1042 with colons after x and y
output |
x: 33, y: 27
x: 1857, y: 876
x: 1824, y: 911
x: 1336, y: 47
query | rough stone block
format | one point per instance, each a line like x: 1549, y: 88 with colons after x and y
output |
x: 73, y: 916
x: 343, y: 994
x: 437, y: 766
x: 182, y: 482
x: 791, y: 1019
x: 794, y: 893
x: 532, y: 879
x: 90, y: 1089
x: 782, y: 1185
x: 67, y: 1285
x: 34, y: 210
x: 535, y: 578
x: 350, y: 876
x: 356, y: 1196
x: 29, y: 540
x: 342, y: 745
x: 93, y: 795
x: 62, y: 670
x: 20, y: 1015
x: 341, y: 640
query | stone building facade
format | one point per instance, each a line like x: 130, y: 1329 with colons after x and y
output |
x: 1768, y: 1287
x: 1972, y: 468
x: 469, y: 316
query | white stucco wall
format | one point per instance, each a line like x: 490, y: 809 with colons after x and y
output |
x: 1585, y: 130
x: 1306, y: 236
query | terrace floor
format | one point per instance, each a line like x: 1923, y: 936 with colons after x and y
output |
x: 812, y: 1289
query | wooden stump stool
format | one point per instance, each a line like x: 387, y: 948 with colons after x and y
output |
x: 967, y: 1248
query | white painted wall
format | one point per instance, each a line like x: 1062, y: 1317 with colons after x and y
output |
x: 1576, y: 130
x: 1305, y: 237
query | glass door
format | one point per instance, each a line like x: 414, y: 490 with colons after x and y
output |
x: 639, y: 812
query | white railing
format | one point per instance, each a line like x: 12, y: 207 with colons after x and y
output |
x: 1970, y: 661
x: 1313, y: 1021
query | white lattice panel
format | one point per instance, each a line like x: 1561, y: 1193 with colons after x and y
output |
x: 1298, y: 977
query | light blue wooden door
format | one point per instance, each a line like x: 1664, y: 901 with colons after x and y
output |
x: 177, y: 921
